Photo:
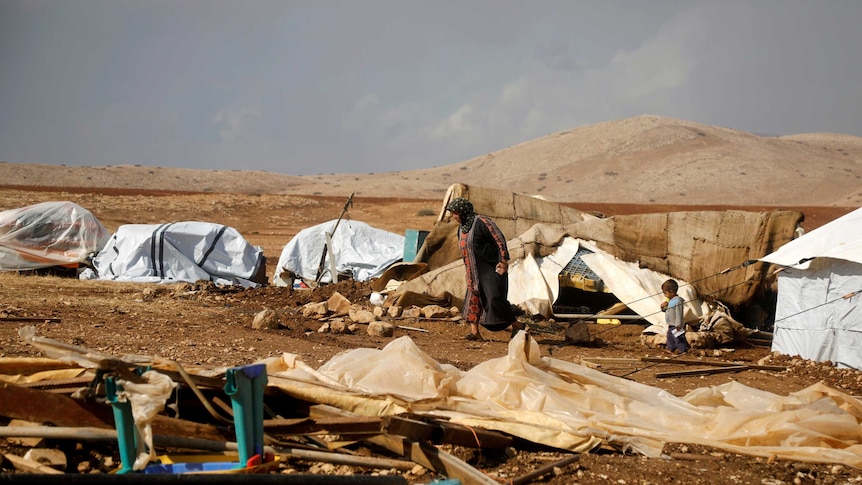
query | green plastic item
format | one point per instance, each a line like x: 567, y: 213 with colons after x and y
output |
x: 245, y: 386
x: 125, y: 424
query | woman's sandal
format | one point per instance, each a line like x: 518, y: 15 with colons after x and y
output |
x: 473, y: 336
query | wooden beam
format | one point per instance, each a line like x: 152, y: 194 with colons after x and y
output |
x: 702, y: 372
x: 30, y: 319
x: 776, y: 368
x: 44, y: 407
x: 545, y: 470
x: 434, y: 458
x: 347, y: 425
x: 29, y: 466
x: 424, y: 454
x: 32, y: 365
x: 60, y: 410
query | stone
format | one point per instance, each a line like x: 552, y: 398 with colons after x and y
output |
x: 266, y: 320
x: 381, y: 329
x: 394, y: 311
x: 578, y: 333
x: 314, y: 310
x: 360, y: 315
x: 338, y: 305
x: 435, y: 311
x: 338, y: 326
x: 412, y: 312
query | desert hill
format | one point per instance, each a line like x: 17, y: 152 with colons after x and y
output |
x: 639, y: 160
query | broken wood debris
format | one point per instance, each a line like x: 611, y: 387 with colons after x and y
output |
x: 30, y: 466
x: 776, y: 368
x: 30, y: 319
x: 545, y: 470
x: 702, y: 372
x: 715, y: 367
x: 411, y: 437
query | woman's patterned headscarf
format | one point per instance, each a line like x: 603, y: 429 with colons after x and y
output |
x: 463, y: 208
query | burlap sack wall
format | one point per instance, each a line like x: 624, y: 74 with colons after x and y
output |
x: 695, y: 246
x: 513, y: 213
x: 698, y: 246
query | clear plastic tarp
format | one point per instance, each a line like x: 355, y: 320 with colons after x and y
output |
x: 49, y: 234
x: 570, y: 406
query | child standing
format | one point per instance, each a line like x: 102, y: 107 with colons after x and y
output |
x: 673, y: 308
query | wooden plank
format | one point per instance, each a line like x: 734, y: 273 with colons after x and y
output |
x: 435, y: 459
x: 30, y: 319
x: 30, y: 466
x: 776, y: 368
x: 341, y: 425
x: 342, y: 459
x: 44, y: 407
x: 32, y: 365
x: 701, y: 372
x: 595, y: 362
x: 458, y: 434
x: 60, y: 410
x: 545, y: 470
x: 426, y: 455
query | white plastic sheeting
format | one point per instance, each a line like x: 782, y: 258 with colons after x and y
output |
x: 534, y: 283
x: 178, y: 252
x: 838, y: 239
x: 640, y: 289
x: 358, y: 248
x: 565, y: 405
x: 818, y: 315
x: 49, y: 234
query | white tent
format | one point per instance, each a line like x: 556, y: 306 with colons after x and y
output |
x: 181, y: 251
x: 358, y: 248
x: 818, y: 314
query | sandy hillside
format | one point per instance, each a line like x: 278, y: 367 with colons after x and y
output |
x: 639, y: 160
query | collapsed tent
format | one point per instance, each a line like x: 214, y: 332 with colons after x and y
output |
x: 513, y: 214
x: 712, y: 252
x: 49, y: 234
x: 818, y: 316
x: 181, y: 251
x: 358, y: 249
x: 569, y: 406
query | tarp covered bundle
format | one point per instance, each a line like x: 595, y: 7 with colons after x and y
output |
x: 49, y: 234
x: 357, y: 248
x: 818, y: 315
x: 179, y: 252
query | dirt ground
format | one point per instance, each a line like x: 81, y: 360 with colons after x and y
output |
x: 211, y: 326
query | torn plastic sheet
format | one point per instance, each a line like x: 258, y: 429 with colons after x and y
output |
x: 569, y: 406
x: 147, y: 399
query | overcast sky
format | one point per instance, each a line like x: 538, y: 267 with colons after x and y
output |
x: 358, y: 86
